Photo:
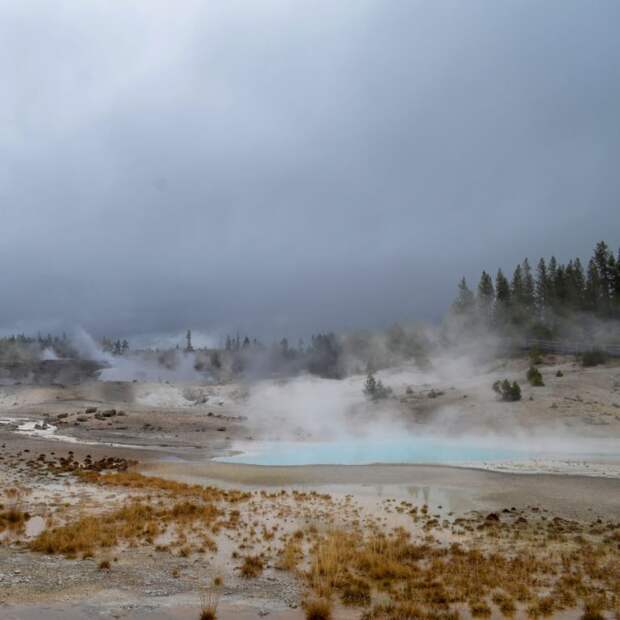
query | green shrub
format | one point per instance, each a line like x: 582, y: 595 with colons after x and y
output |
x: 593, y: 358
x: 534, y: 377
x: 374, y: 389
x: 508, y: 392
x: 535, y: 356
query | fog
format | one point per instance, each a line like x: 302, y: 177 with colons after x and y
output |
x: 281, y: 168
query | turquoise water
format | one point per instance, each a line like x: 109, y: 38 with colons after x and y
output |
x: 364, y: 451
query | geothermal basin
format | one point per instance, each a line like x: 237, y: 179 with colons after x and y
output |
x: 411, y: 449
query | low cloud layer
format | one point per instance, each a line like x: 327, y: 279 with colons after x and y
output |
x: 283, y: 167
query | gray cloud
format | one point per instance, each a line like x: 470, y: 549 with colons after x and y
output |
x: 287, y: 166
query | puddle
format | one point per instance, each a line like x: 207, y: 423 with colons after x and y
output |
x: 44, y: 430
x: 34, y: 526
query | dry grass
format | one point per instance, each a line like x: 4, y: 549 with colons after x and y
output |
x: 209, y: 602
x: 432, y: 580
x: 134, y: 480
x: 141, y: 520
x: 252, y: 566
x: 318, y: 609
x: 13, y: 518
x: 510, y: 563
x: 290, y: 555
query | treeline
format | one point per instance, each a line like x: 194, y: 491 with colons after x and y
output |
x: 539, y: 300
x: 115, y: 347
x: 321, y: 356
x: 19, y: 347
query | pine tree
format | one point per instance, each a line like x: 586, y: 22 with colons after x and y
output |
x: 560, y: 288
x: 570, y: 286
x: 542, y: 288
x: 502, y: 298
x: 464, y: 302
x: 486, y: 296
x: 517, y: 294
x: 528, y: 286
x: 552, y: 275
x: 593, y: 288
x: 612, y: 270
x: 579, y: 284
x: 616, y: 295
x: 601, y: 259
x: 188, y: 337
x: 516, y: 286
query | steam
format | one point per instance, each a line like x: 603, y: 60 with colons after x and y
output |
x: 178, y: 365
x: 459, y: 365
x: 181, y: 368
x: 49, y: 355
x: 87, y: 348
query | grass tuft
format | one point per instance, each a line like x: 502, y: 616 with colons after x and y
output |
x: 252, y: 566
x: 318, y: 609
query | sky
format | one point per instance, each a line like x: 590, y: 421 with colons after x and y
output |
x: 281, y: 167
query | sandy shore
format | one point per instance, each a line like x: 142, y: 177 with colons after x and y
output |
x: 456, y: 488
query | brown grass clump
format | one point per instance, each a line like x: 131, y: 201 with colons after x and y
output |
x: 479, y: 609
x: 430, y: 581
x: 506, y: 605
x: 82, y: 536
x: 13, y: 519
x: 104, y: 565
x: 592, y: 611
x: 356, y: 592
x: 135, y: 522
x: 318, y: 609
x: 208, y: 606
x: 252, y: 566
x: 134, y: 480
x: 290, y: 556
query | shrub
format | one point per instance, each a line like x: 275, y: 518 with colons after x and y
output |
x: 252, y: 566
x: 479, y: 609
x: 508, y: 392
x: 374, y: 389
x: 535, y: 357
x: 13, y: 519
x: 208, y: 606
x: 559, y: 373
x: 592, y: 611
x: 593, y: 358
x: 356, y: 592
x: 534, y: 377
x: 318, y: 609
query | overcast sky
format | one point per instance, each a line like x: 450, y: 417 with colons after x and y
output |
x: 283, y: 166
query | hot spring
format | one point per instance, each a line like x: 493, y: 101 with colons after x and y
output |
x: 408, y: 449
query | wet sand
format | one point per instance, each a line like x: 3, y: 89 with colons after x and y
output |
x: 578, y: 497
